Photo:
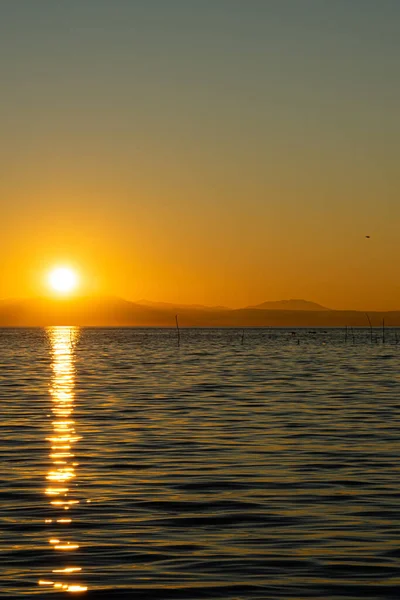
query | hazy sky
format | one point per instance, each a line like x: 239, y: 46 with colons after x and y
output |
x: 213, y: 151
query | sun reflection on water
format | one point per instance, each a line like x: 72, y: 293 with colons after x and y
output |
x: 60, y: 478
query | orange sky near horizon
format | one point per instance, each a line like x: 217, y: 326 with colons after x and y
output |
x: 219, y: 153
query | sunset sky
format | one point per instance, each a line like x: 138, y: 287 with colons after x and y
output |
x: 202, y: 151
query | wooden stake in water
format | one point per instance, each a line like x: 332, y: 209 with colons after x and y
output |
x: 242, y: 337
x: 370, y: 326
x: 345, y: 336
x: 177, y: 329
x: 383, y: 331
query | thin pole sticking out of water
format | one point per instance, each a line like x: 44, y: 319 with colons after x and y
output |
x: 370, y: 326
x: 383, y: 331
x: 345, y: 336
x: 177, y: 329
x: 242, y: 337
x: 352, y: 333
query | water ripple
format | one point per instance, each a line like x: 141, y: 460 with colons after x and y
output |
x: 212, y: 469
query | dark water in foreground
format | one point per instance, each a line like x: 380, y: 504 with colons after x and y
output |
x: 137, y: 469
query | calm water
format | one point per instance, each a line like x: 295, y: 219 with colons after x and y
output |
x: 218, y: 469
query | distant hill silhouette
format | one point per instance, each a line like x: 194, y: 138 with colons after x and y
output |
x: 172, y: 306
x: 115, y: 312
x: 294, y: 304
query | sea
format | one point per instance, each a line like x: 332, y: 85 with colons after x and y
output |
x: 207, y: 463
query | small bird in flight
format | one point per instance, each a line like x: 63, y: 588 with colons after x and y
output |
x: 368, y: 236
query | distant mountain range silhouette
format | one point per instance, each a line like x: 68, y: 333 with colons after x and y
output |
x: 289, y: 305
x: 115, y: 312
x: 169, y: 305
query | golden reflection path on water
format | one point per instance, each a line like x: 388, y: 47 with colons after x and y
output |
x: 60, y: 478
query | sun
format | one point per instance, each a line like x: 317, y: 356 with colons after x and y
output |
x: 63, y: 280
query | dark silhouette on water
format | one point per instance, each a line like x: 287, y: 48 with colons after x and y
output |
x: 177, y: 329
x: 370, y: 326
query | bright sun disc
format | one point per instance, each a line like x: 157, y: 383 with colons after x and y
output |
x: 63, y: 280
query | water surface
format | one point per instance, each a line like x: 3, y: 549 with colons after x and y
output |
x: 263, y: 466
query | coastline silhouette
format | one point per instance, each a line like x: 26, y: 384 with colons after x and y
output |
x: 116, y: 312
